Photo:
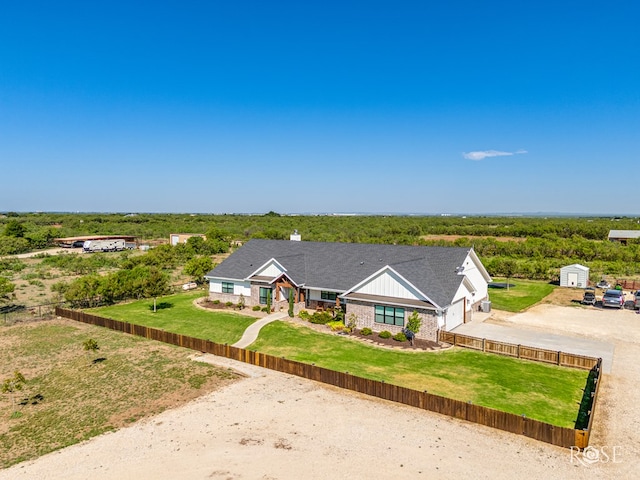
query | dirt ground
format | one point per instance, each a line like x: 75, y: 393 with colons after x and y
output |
x: 275, y: 426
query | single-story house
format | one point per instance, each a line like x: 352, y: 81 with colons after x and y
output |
x: 379, y: 285
x: 575, y: 275
x: 623, y: 236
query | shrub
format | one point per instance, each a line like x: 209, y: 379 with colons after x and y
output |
x: 366, y: 331
x: 241, y: 301
x: 336, y: 326
x: 400, y: 337
x: 256, y: 308
x: 414, y: 323
x: 304, y: 315
x: 321, y: 318
x: 352, y: 321
x: 385, y: 334
x: 265, y: 309
x: 290, y: 311
x: 216, y: 302
x: 229, y: 304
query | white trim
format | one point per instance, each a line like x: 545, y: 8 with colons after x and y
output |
x: 225, y: 279
x: 479, y: 265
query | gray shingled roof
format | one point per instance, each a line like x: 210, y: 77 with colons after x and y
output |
x: 340, y: 266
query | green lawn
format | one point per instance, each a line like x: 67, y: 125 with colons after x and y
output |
x: 524, y: 294
x: 545, y: 392
x: 176, y: 313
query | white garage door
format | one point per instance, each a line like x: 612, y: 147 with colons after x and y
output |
x: 455, y: 315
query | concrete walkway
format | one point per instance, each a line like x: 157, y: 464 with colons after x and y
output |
x: 251, y: 333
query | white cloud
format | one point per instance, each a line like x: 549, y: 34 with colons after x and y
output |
x: 481, y: 155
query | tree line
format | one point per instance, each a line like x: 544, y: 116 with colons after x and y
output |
x: 530, y: 247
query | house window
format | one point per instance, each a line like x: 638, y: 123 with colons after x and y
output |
x: 227, y: 287
x: 389, y: 315
x: 328, y: 296
x: 264, y: 294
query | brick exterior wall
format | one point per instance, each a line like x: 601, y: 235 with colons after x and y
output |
x: 250, y: 301
x: 255, y: 296
x: 254, y: 299
x: 226, y: 297
x: 365, y: 314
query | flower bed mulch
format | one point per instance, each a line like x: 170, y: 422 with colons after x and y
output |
x: 418, y: 343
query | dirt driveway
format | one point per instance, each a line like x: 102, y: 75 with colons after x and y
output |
x: 275, y: 426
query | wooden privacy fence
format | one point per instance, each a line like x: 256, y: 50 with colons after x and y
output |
x: 629, y: 284
x: 519, y: 351
x: 509, y: 422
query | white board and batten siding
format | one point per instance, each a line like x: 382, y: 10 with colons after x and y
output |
x: 244, y: 288
x: 575, y: 276
x: 270, y: 269
x: 477, y: 277
x: 389, y: 284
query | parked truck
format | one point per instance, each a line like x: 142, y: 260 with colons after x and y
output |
x: 113, y: 245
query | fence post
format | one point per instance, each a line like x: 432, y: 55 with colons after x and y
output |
x: 483, y: 340
x: 518, y: 350
x: 559, y: 356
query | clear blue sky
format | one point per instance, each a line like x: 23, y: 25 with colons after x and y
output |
x: 309, y: 106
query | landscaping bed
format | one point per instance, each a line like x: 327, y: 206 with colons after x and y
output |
x: 375, y: 339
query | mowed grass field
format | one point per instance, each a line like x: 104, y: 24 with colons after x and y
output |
x: 176, y: 313
x: 521, y: 296
x: 544, y: 392
x: 71, y: 395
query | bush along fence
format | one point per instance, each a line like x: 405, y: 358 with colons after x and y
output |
x: 509, y: 422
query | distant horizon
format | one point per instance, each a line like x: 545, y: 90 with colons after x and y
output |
x: 341, y: 214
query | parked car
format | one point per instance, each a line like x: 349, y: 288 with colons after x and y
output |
x: 613, y: 298
x: 589, y: 297
x: 603, y: 284
x: 636, y: 300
